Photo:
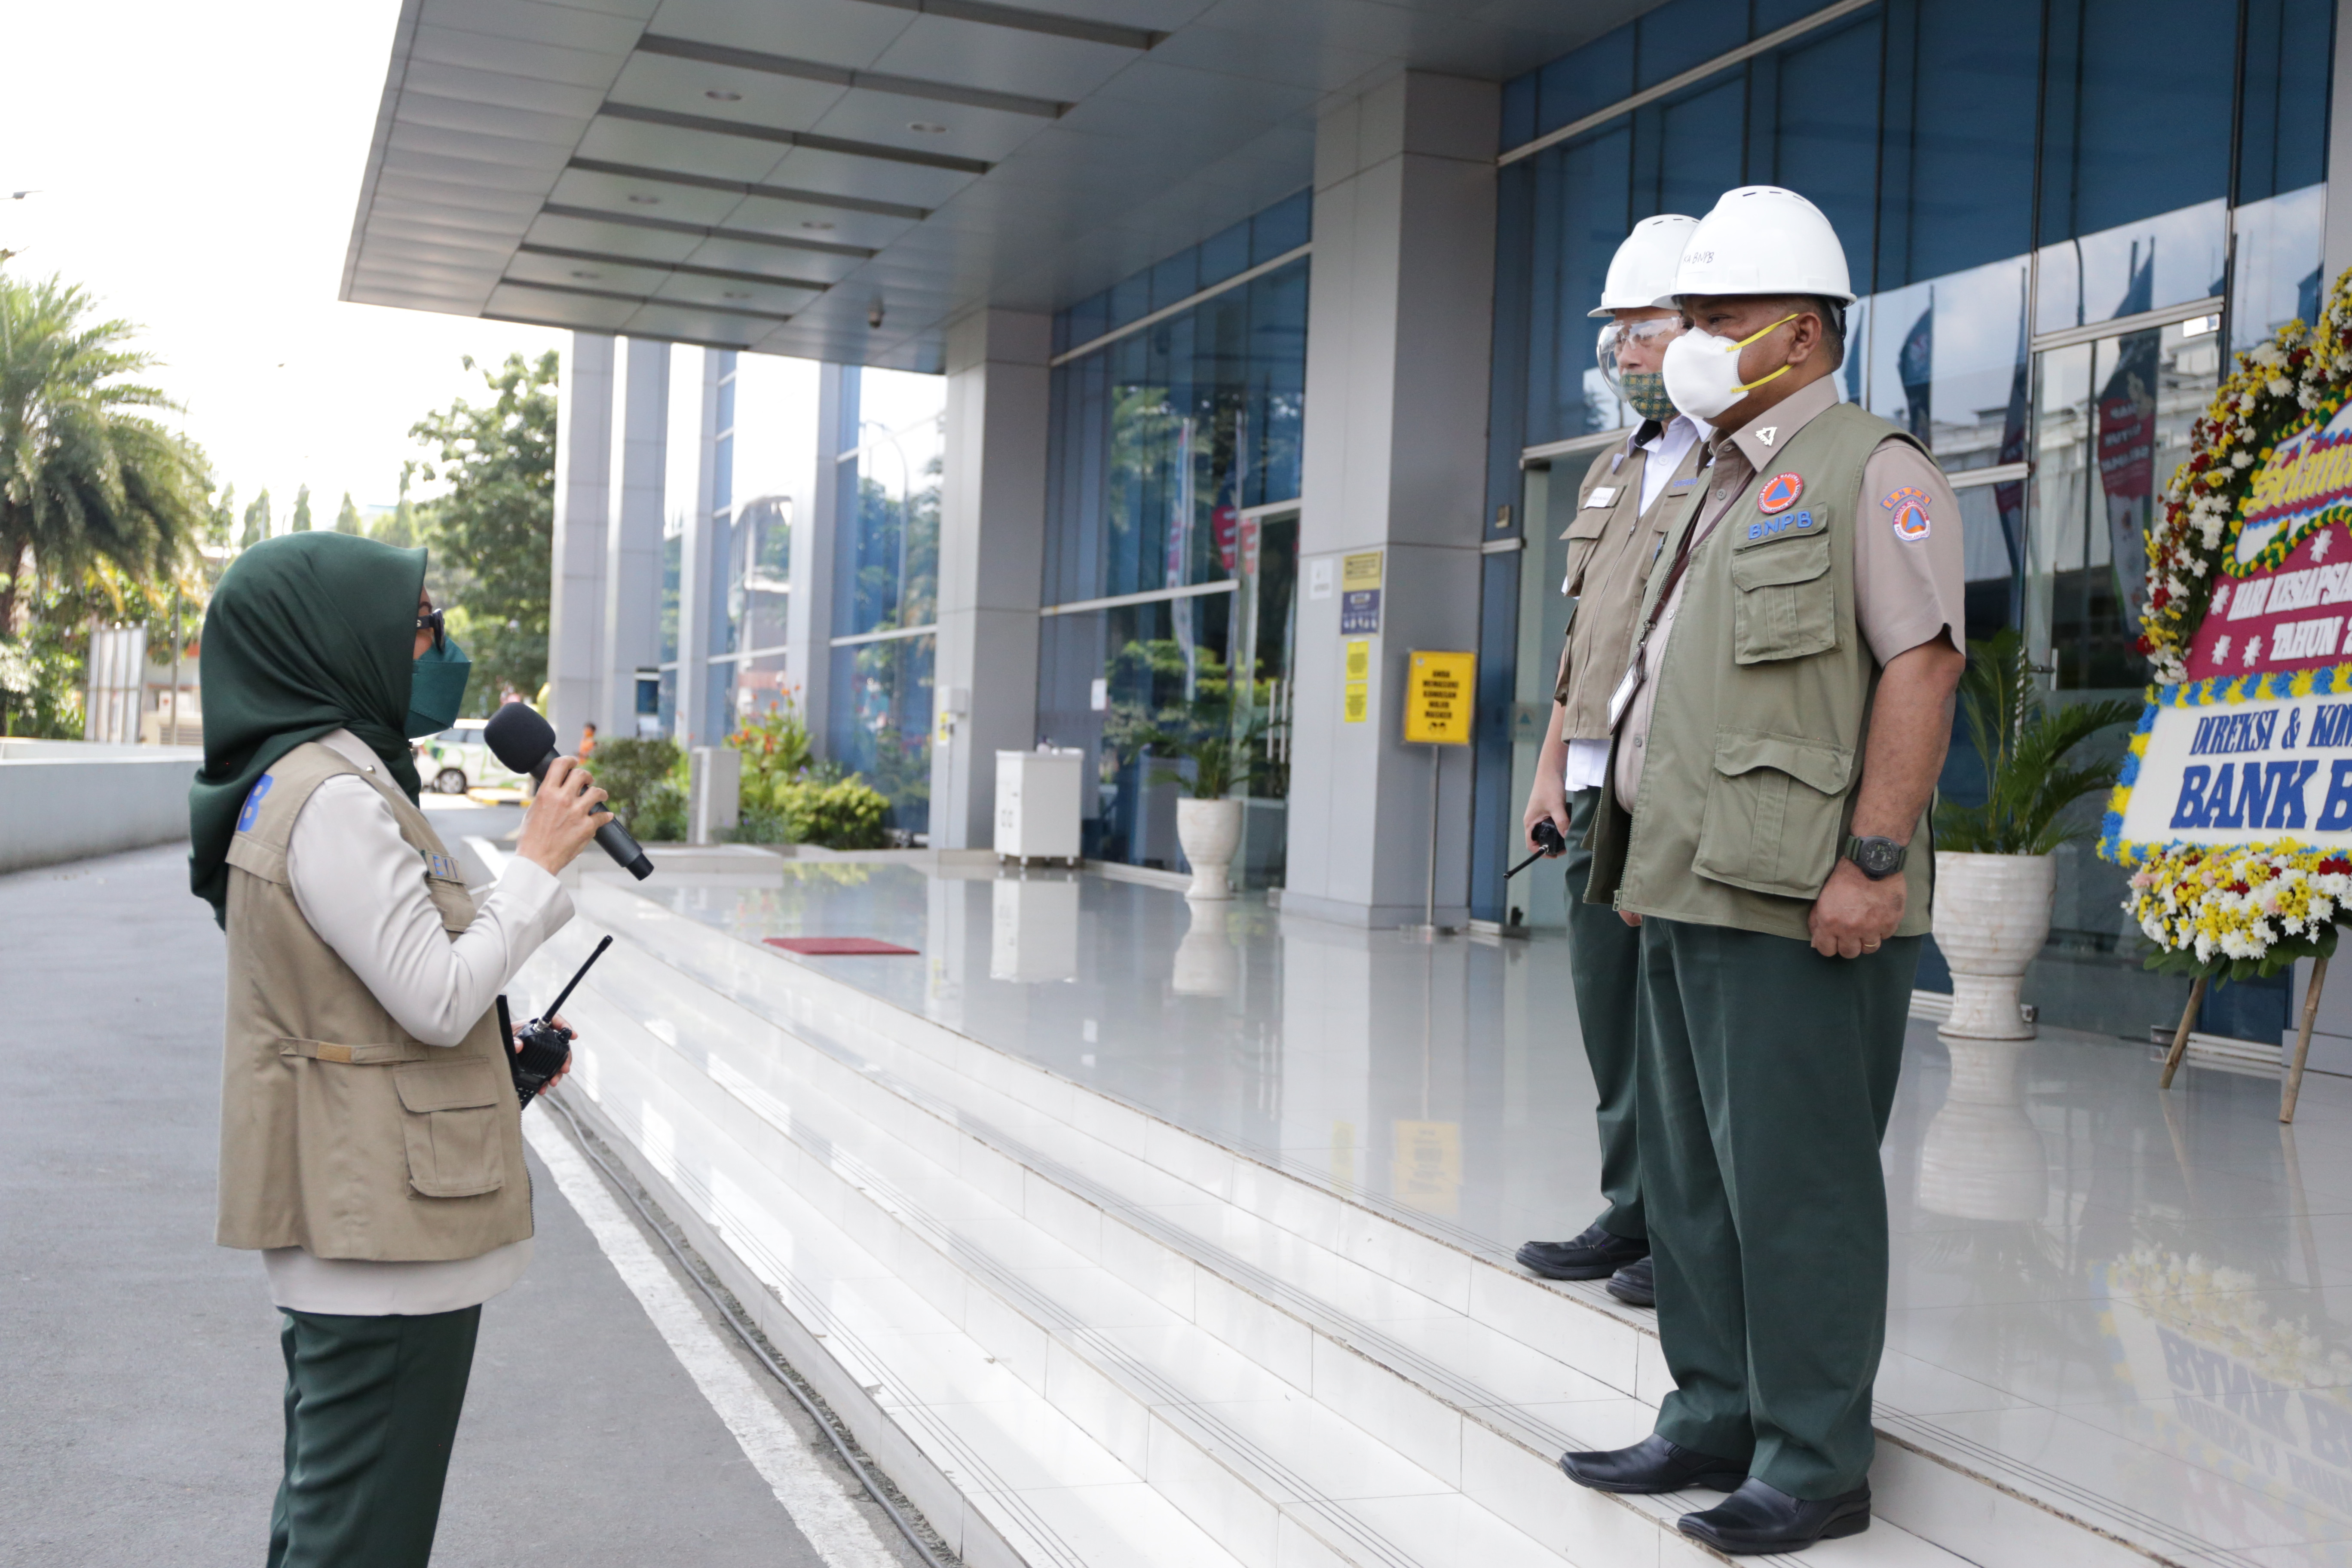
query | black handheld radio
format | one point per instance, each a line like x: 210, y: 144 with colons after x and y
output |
x: 539, y: 1053
x: 1550, y: 843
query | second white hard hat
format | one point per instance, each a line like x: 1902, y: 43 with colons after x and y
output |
x: 1761, y: 239
x: 1642, y: 273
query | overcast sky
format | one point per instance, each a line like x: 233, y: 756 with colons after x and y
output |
x: 196, y: 169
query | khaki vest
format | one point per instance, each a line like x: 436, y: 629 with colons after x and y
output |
x: 1610, y: 549
x: 1763, y: 703
x: 340, y: 1133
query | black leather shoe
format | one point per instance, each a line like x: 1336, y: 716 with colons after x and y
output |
x: 1761, y: 1518
x: 1652, y: 1465
x: 1595, y: 1255
x: 1636, y: 1284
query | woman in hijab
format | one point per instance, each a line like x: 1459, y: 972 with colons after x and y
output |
x: 371, y: 1138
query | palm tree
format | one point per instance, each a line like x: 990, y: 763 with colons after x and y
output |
x: 84, y: 476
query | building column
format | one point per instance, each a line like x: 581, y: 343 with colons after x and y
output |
x: 991, y: 565
x: 688, y: 500
x: 633, y: 534
x: 575, y: 603
x: 808, y: 639
x: 1394, y: 452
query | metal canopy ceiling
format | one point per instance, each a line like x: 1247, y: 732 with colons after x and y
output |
x: 772, y: 175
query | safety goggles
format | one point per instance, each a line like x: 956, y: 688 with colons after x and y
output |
x: 1651, y: 335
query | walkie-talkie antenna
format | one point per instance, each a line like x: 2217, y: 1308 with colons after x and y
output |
x: 565, y: 995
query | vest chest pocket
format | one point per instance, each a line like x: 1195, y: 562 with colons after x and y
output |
x: 1774, y: 812
x: 449, y: 1115
x: 1583, y: 537
x: 1785, y: 605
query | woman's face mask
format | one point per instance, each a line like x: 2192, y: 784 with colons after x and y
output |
x: 1702, y: 370
x: 437, y: 689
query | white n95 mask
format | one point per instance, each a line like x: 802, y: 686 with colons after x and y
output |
x: 1702, y: 370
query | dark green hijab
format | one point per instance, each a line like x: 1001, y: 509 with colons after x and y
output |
x: 308, y: 634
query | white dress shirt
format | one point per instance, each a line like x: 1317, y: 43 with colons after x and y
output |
x: 359, y: 884
x: 1588, y: 761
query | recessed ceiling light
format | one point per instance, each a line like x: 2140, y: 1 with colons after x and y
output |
x: 722, y: 95
x: 817, y: 224
x: 927, y: 128
x: 581, y: 272
x: 733, y: 294
x: 646, y: 201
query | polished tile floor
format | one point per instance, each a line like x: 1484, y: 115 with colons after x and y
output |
x: 2138, y: 1300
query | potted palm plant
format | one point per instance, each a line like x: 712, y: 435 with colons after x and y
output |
x: 1208, y: 821
x: 1994, y: 871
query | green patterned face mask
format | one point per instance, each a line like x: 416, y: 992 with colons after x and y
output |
x: 1644, y: 393
x: 438, y: 688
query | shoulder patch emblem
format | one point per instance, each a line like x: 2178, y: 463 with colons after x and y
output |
x: 1909, y: 505
x: 245, y: 818
x: 1779, y: 493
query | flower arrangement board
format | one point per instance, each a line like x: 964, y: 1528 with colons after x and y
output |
x: 2247, y: 735
x: 2234, y: 806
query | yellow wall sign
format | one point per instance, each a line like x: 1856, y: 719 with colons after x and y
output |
x: 1356, y: 706
x: 1437, y: 696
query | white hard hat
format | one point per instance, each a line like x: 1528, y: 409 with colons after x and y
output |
x: 1761, y: 239
x: 1642, y: 273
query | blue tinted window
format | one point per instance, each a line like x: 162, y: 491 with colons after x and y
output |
x: 1224, y: 254
x: 1131, y: 299
x: 1282, y: 227
x: 1580, y: 214
x: 1591, y: 79
x: 2136, y: 111
x: 1825, y: 131
x: 1089, y: 318
x: 2282, y: 143
x: 1175, y: 278
x: 1681, y: 34
x: 726, y: 392
x: 1963, y: 76
x: 1687, y: 151
x: 1520, y: 109
x: 1773, y: 15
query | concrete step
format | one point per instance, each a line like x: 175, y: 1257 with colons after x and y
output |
x: 1341, y: 1324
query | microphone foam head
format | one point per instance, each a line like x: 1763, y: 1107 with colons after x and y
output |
x: 519, y: 737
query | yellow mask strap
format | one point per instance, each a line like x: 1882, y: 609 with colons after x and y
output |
x: 1752, y: 385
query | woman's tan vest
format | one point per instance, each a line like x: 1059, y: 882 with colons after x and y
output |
x: 1762, y: 711
x: 340, y: 1133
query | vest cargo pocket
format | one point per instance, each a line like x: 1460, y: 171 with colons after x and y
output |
x: 1787, y: 602
x: 1774, y: 811
x: 449, y: 1116
x: 1583, y: 537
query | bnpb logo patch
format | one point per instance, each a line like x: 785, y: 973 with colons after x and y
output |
x: 1779, y: 493
x: 1773, y: 527
x: 245, y: 819
x: 1909, y: 506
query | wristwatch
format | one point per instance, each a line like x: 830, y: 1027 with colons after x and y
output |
x: 1878, y: 858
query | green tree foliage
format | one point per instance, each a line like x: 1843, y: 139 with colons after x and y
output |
x: 301, y: 524
x: 220, y: 527
x: 2024, y: 742
x: 256, y: 522
x: 491, y: 532
x: 86, y: 475
x: 642, y: 786
x: 402, y: 529
x: 347, y: 518
x: 789, y: 797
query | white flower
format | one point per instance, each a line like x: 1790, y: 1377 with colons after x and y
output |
x: 2279, y: 387
x: 2241, y: 460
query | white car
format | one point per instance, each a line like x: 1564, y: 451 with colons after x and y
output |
x: 457, y: 760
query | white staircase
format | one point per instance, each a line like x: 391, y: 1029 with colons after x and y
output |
x: 1074, y: 1333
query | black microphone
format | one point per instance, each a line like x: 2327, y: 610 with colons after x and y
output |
x: 524, y: 741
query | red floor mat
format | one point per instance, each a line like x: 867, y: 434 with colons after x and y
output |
x: 839, y: 946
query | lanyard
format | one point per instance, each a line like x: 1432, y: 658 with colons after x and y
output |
x: 1693, y: 537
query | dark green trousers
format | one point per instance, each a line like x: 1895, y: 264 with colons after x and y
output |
x: 372, y: 1410
x: 1767, y: 1076
x: 1604, y: 958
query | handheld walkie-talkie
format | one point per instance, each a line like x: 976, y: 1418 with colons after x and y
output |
x: 540, y: 1051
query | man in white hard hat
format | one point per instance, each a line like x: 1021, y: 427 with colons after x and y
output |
x: 1778, y: 734
x: 1629, y: 495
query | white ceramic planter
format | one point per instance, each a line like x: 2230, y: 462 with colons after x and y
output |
x: 1992, y: 912
x: 1210, y: 831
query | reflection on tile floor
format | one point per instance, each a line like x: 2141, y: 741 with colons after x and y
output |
x: 2140, y: 1297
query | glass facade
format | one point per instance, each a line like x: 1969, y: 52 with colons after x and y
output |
x: 2007, y: 176
x: 751, y: 559
x: 886, y: 585
x: 1172, y: 475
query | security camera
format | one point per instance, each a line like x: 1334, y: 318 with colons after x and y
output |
x: 874, y: 315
